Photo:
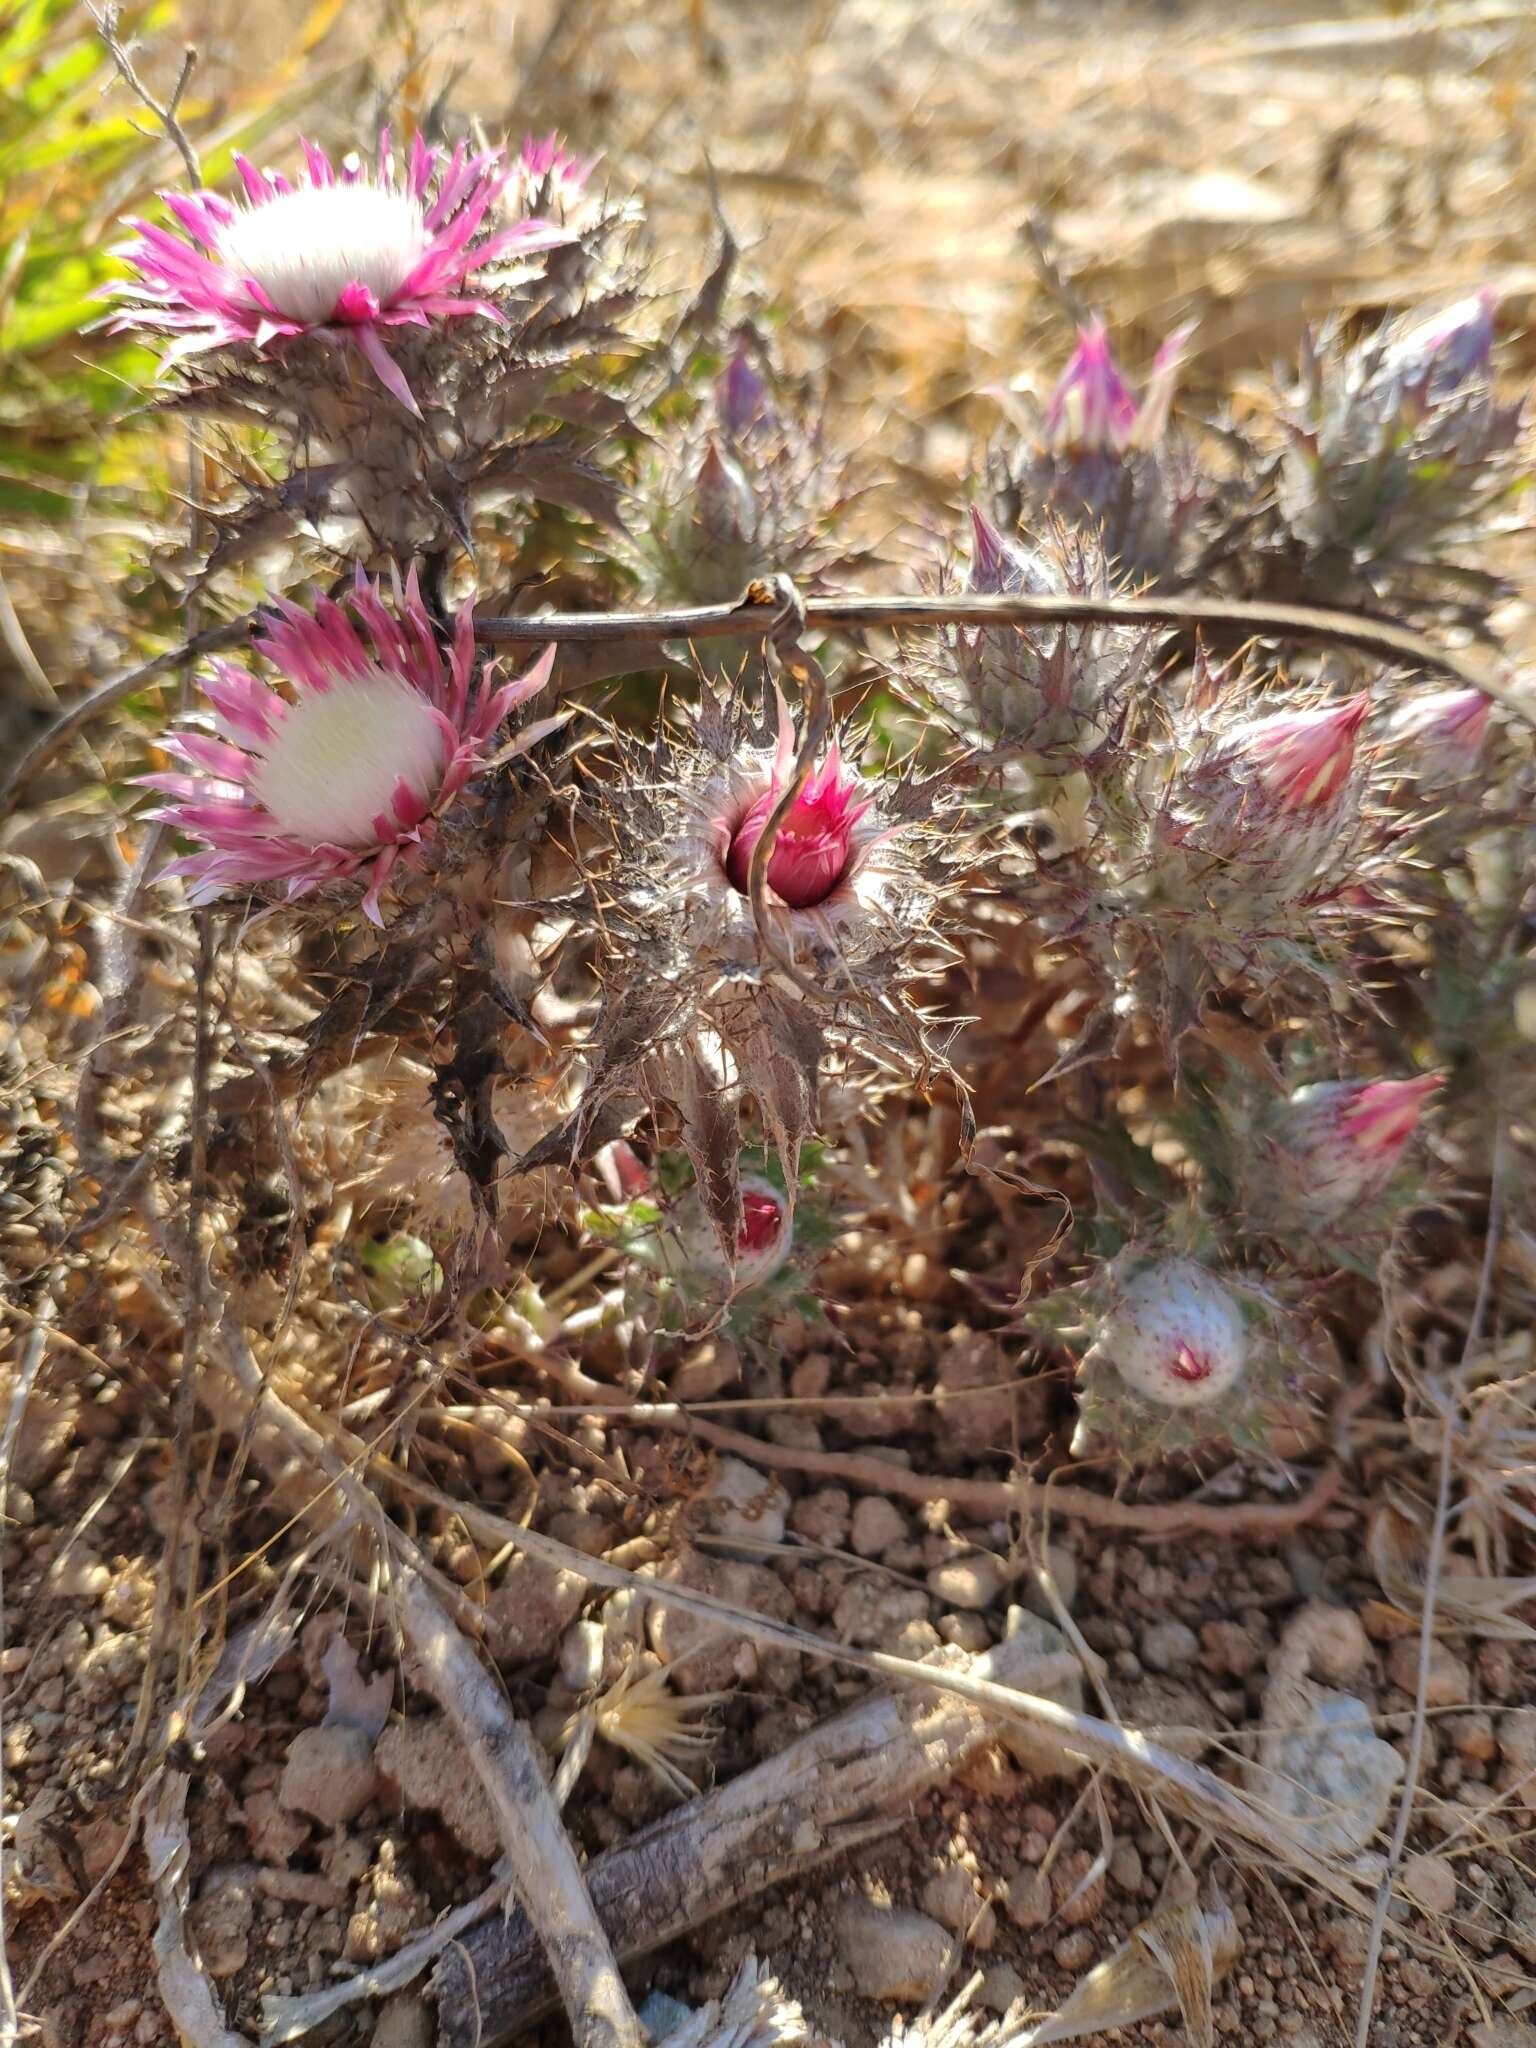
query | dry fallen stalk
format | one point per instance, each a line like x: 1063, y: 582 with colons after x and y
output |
x: 843, y: 1783
x: 539, y: 1853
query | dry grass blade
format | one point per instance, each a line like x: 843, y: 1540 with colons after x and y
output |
x: 1171, y: 1961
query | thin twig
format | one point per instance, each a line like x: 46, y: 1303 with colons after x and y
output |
x: 110, y: 694
x: 19, y: 647
x: 852, y: 611
x: 987, y: 1499
x: 108, y: 20
x: 1432, y: 1567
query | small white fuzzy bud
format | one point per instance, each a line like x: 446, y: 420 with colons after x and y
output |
x: 1176, y: 1335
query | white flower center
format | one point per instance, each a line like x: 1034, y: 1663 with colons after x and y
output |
x: 332, y: 765
x: 306, y: 246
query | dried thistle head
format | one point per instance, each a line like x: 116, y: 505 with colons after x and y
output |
x: 702, y: 1015
x: 640, y: 1714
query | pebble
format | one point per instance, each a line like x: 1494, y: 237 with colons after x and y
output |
x: 1126, y: 1867
x: 1430, y: 1881
x: 1037, y: 1753
x: 891, y: 1953
x: 876, y: 1525
x: 971, y: 1583
x: 950, y: 1897
x: 1001, y: 1988
x: 966, y: 1631
x: 1448, y: 1682
x: 220, y: 1919
x: 1028, y: 1900
x: 1517, y: 1738
x: 1074, y: 1951
x: 403, y: 2023
x: 823, y: 1516
x: 1472, y: 1736
x: 1231, y: 1649
x: 1077, y: 1904
x: 741, y: 1502
x: 330, y: 1774
x: 1169, y: 1646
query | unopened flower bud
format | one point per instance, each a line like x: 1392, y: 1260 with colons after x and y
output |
x: 815, y: 842
x: 1176, y: 1335
x: 1445, y: 729
x: 1445, y: 350
x: 1092, y: 407
x: 763, y: 1241
x: 1343, y: 1140
x: 741, y: 397
x: 724, y: 503
x: 1303, y: 759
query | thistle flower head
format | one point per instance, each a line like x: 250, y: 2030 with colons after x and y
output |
x: 814, y: 843
x: 1048, y: 693
x: 343, y: 254
x: 546, y: 175
x: 1302, y: 760
x: 1442, y: 351
x: 345, y: 774
x: 1443, y: 731
x: 1094, y: 411
x: 1176, y: 1335
x: 1342, y: 1140
x: 764, y: 1238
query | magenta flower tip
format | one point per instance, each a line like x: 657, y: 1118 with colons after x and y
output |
x: 814, y: 847
x: 741, y: 396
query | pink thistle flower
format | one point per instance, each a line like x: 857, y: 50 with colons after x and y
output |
x: 346, y: 775
x: 340, y: 254
x: 1302, y: 760
x: 1176, y: 1335
x: 815, y: 845
x: 546, y: 168
x: 1093, y: 410
x: 1447, y: 728
x: 1343, y: 1139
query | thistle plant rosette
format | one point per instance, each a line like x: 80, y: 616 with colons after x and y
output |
x: 342, y: 255
x: 345, y: 777
x: 698, y: 1016
x: 1176, y: 1357
x: 1103, y: 458
x: 1395, y: 455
